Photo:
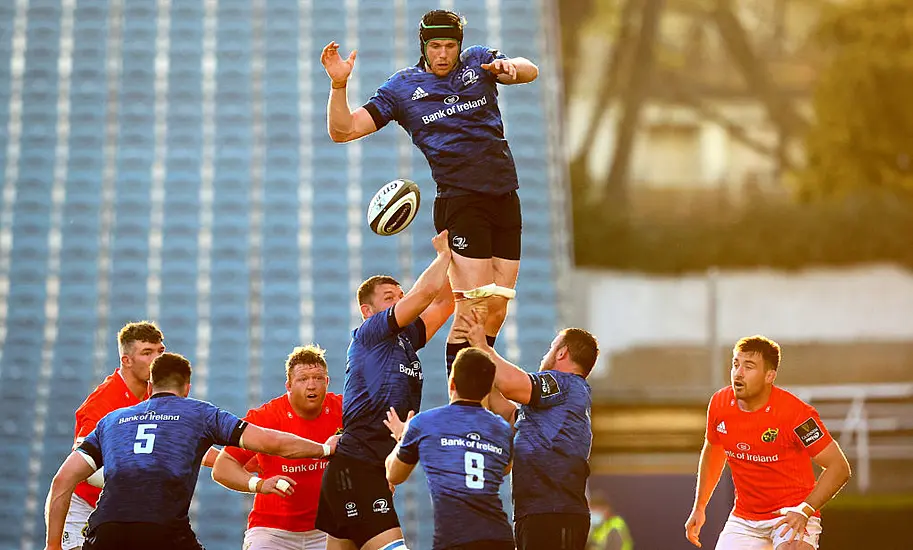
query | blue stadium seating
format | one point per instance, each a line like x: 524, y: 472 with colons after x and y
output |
x: 291, y: 304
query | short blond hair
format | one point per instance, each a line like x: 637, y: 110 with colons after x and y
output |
x: 311, y: 354
x: 140, y: 331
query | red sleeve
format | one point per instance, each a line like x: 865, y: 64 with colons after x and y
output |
x: 257, y: 417
x: 87, y: 417
x: 709, y: 433
x: 810, y: 432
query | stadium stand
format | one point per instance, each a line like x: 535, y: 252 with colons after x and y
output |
x: 196, y: 186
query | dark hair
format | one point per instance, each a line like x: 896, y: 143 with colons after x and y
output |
x: 140, y: 331
x: 473, y: 373
x: 440, y: 24
x: 582, y: 348
x: 311, y: 354
x: 170, y: 370
x: 769, y: 350
x: 366, y: 289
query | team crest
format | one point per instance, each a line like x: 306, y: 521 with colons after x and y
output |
x: 468, y: 77
x: 770, y: 435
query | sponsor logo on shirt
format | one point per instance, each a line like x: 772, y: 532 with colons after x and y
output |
x: 770, y: 435
x: 414, y: 370
x: 380, y: 506
x: 748, y: 457
x: 809, y: 432
x: 151, y: 415
x: 351, y: 510
x: 721, y: 427
x: 548, y: 385
x: 455, y: 108
x: 419, y: 93
x: 318, y: 464
x: 451, y: 99
x: 473, y: 436
x: 472, y: 444
x: 743, y: 447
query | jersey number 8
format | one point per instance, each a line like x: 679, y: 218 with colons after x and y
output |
x: 144, y: 441
x: 475, y: 469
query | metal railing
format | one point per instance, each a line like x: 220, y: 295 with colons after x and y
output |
x: 858, y: 423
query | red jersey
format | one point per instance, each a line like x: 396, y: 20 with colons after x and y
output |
x: 110, y: 395
x: 295, y: 513
x: 769, y: 450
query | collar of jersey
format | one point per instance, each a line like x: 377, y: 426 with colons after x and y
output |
x: 467, y: 403
x: 162, y: 394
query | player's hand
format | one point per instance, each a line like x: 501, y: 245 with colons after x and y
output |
x: 471, y: 329
x: 792, y: 525
x: 332, y: 441
x: 269, y: 486
x: 693, y: 526
x: 338, y: 69
x: 441, y: 242
x: 396, y: 426
x: 501, y: 66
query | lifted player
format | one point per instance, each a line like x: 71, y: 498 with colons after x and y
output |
x: 448, y: 103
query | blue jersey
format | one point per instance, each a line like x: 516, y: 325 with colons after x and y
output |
x: 151, y: 453
x: 382, y: 371
x: 455, y: 121
x: 552, y: 446
x: 464, y: 450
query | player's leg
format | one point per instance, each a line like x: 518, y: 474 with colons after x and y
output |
x: 809, y: 540
x: 75, y: 525
x: 391, y: 539
x: 471, y: 263
x: 313, y: 540
x: 266, y: 538
x: 507, y: 225
x: 340, y: 544
x: 743, y: 534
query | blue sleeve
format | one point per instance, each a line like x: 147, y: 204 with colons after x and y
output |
x: 547, y: 391
x: 91, y: 446
x: 408, y: 447
x: 222, y: 427
x: 378, y: 327
x: 417, y: 334
x: 383, y: 106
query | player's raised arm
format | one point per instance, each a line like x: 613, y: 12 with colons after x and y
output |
x: 403, y: 458
x: 513, y: 382
x: 516, y: 70
x: 710, y: 468
x: 76, y: 468
x: 286, y: 445
x: 342, y: 124
x: 427, y: 287
x: 230, y: 473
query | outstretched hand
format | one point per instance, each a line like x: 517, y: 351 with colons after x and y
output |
x: 471, y: 329
x: 501, y: 66
x: 396, y: 426
x: 337, y: 68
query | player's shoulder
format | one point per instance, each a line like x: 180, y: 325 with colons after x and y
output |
x: 404, y: 76
x: 276, y: 405
x: 476, y: 52
x: 722, y: 397
x: 100, y: 400
x: 790, y: 402
x: 334, y: 402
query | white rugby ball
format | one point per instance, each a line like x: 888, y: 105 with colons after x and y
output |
x: 393, y: 207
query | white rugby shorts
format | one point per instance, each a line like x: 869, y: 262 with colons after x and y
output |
x: 77, y: 520
x: 746, y: 534
x: 266, y: 538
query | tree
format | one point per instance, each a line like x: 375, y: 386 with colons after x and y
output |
x: 863, y: 136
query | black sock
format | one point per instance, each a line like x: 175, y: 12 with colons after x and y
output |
x: 452, y: 350
x: 491, y: 340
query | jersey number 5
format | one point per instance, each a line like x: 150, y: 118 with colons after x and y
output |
x: 144, y: 441
x: 475, y: 469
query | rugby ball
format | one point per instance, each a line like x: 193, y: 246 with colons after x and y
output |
x: 393, y: 207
